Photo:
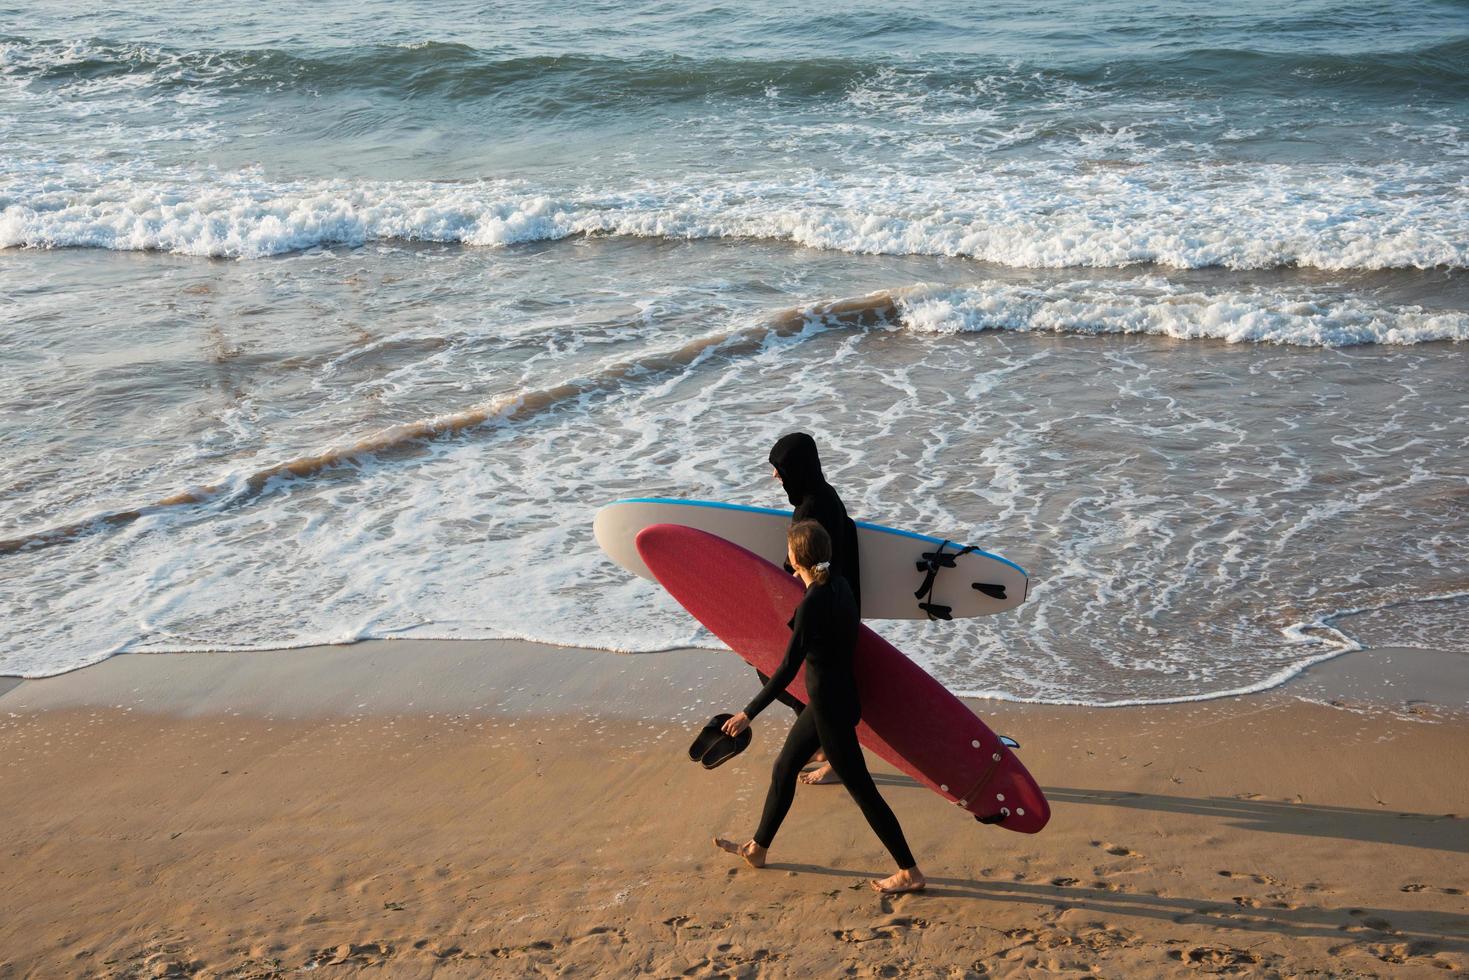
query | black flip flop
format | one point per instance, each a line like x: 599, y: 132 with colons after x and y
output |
x: 706, y: 738
x: 713, y: 748
x: 726, y: 748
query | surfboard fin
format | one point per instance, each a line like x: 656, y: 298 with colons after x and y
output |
x: 993, y: 818
x: 936, y: 611
x: 993, y: 591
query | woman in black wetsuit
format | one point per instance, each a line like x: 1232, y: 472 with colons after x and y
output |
x: 824, y: 638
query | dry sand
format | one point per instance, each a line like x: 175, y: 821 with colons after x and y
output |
x: 469, y: 809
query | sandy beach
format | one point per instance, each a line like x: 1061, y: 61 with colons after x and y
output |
x: 467, y: 809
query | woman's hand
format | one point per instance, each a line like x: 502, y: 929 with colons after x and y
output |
x: 736, y: 724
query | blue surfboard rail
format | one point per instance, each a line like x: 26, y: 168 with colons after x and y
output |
x: 867, y: 525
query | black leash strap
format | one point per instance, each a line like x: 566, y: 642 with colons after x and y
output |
x: 967, y: 798
x: 984, y: 777
x: 931, y: 563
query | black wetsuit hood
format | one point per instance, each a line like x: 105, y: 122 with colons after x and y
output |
x: 799, y: 464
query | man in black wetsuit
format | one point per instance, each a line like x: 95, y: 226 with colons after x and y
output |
x: 798, y: 466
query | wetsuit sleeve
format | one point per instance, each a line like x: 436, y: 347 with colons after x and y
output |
x: 786, y: 672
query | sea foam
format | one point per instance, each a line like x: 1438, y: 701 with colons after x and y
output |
x: 1066, y: 214
x: 1153, y: 305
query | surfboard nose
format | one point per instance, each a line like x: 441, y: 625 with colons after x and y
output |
x: 655, y: 540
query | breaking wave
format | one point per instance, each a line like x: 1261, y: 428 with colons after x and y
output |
x: 1180, y: 216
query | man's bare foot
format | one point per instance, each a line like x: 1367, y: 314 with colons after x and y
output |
x: 905, y: 881
x: 819, y: 777
x: 818, y: 760
x: 752, y: 852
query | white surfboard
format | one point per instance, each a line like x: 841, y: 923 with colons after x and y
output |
x: 904, y: 575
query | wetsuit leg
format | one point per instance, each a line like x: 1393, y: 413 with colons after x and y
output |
x: 784, y: 697
x: 845, y: 755
x: 801, y: 742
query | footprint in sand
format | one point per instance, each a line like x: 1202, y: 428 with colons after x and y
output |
x: 169, y: 965
x: 1064, y: 882
x: 893, y: 928
x: 603, y: 936
x: 733, y: 960
x: 1099, y: 937
x: 902, y: 923
x: 374, y: 953
x: 530, y: 949
x: 1414, y: 954
x: 1116, y: 850
x: 1258, y: 879
x: 1418, y: 887
x: 1094, y: 937
x: 1214, y: 956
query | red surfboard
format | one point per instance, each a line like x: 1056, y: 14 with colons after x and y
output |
x: 908, y: 718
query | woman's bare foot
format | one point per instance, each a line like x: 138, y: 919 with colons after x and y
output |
x: 752, y: 852
x: 905, y: 881
x: 818, y: 777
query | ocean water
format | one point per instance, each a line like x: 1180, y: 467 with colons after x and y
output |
x: 334, y: 321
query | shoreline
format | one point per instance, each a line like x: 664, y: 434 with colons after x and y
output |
x: 528, y: 676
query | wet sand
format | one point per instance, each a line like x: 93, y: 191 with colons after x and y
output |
x: 468, y: 809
